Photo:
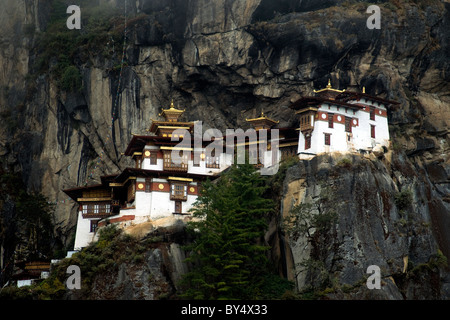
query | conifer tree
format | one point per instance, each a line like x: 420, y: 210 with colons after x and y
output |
x: 227, y: 254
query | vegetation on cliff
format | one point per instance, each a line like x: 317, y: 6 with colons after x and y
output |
x: 230, y: 61
x: 26, y: 226
x: 62, y: 52
x: 228, y: 253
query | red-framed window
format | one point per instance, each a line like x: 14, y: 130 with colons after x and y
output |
x: 327, y: 139
x: 372, y: 113
x: 330, y: 120
x: 348, y: 124
x: 307, y: 142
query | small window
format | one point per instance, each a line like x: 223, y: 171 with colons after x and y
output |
x: 372, y: 113
x: 327, y: 139
x: 138, y: 162
x: 348, y: 124
x: 372, y: 131
x: 307, y: 142
x: 330, y: 120
x: 178, y: 191
x: 94, y: 224
x: 153, y: 158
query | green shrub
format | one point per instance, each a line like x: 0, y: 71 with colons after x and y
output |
x: 63, y: 49
x: 276, y: 287
x: 71, y: 79
x: 344, y: 163
x: 403, y: 199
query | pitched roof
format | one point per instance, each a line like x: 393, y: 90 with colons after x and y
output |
x: 349, y: 95
x: 314, y: 101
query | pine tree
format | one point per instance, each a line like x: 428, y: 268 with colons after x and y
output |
x: 227, y: 254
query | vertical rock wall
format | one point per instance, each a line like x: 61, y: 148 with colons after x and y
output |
x: 373, y: 227
x: 223, y: 61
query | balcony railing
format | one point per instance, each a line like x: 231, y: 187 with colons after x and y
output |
x: 177, y: 166
x: 182, y: 167
x: 96, y: 210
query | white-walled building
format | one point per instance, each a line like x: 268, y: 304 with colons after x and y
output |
x: 341, y: 121
x: 167, y: 175
x: 160, y: 186
x: 157, y: 187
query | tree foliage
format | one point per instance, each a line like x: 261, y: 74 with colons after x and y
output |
x: 228, y: 255
x: 30, y: 219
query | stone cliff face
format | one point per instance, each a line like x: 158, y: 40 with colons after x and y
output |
x: 227, y: 60
x: 387, y: 213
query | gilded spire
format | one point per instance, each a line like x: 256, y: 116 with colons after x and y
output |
x: 171, y: 114
x: 262, y: 122
x: 328, y: 88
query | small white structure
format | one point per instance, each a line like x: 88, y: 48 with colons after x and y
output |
x: 23, y: 283
x: 339, y: 121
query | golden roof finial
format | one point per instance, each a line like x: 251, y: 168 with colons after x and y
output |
x: 364, y: 90
x: 328, y: 88
x: 262, y: 117
x: 171, y: 110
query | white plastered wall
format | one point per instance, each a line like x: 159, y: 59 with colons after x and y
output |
x: 83, y: 236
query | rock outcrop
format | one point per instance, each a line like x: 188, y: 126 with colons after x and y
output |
x: 386, y: 213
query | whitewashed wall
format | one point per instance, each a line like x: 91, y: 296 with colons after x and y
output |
x: 360, y: 138
x: 83, y: 236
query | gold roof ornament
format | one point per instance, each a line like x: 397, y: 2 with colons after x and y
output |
x: 262, y: 117
x: 262, y: 122
x: 328, y: 88
x: 364, y: 90
x: 171, y: 114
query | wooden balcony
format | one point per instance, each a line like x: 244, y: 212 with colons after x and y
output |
x: 181, y: 197
x: 99, y: 214
x: 178, y: 191
x: 175, y: 166
x: 182, y: 167
x: 96, y: 210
